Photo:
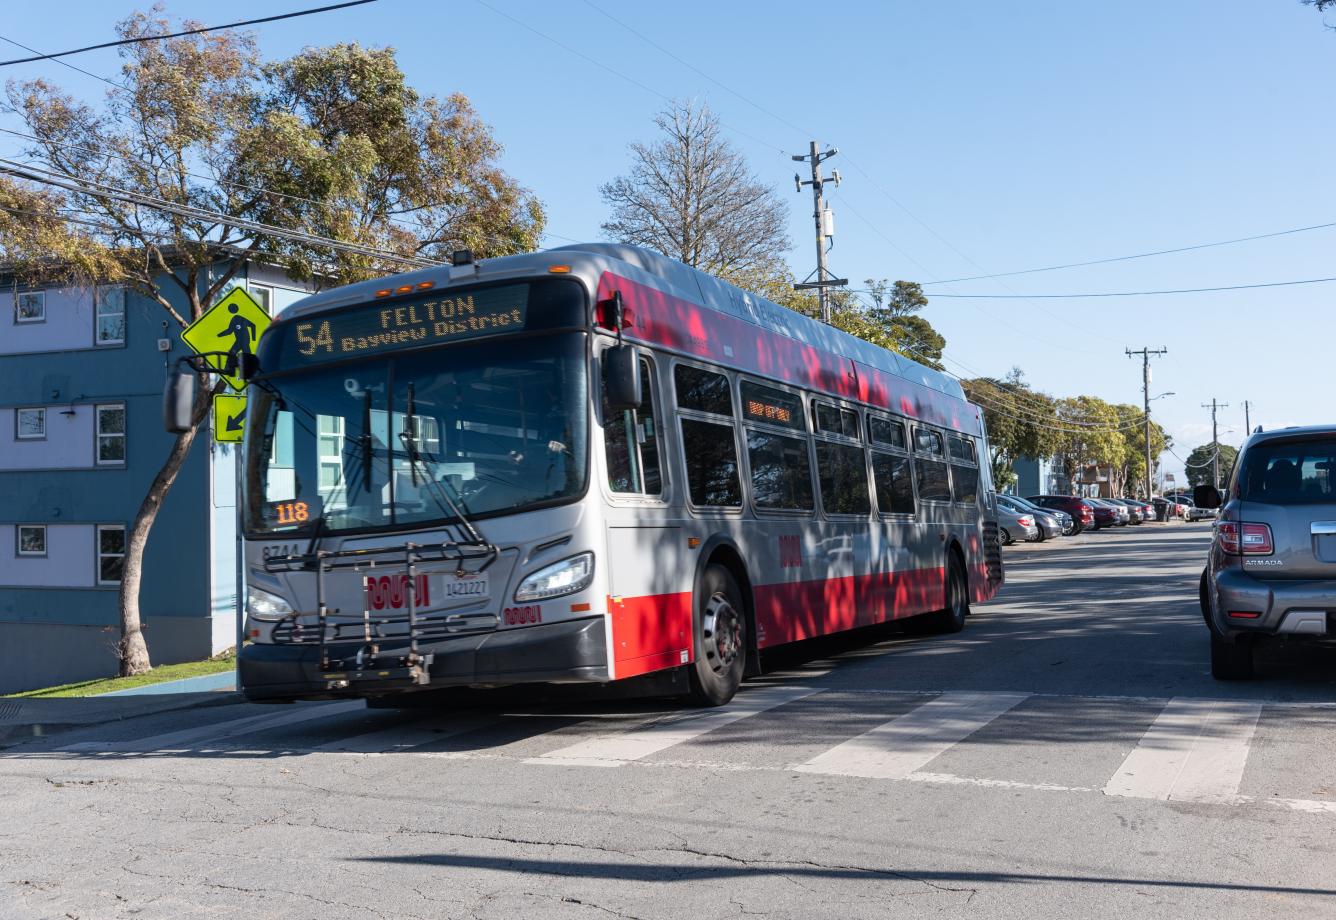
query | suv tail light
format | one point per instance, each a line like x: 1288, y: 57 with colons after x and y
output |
x: 1241, y: 539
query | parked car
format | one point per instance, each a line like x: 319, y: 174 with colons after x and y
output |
x: 1047, y: 521
x: 1015, y: 525
x: 1108, y: 514
x: 1195, y: 513
x: 1271, y: 570
x: 1134, y: 508
x: 1083, y: 514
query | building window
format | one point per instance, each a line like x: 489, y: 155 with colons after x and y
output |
x: 264, y: 296
x: 110, y: 316
x: 110, y: 553
x: 32, y: 539
x: 29, y: 424
x: 111, y: 434
x: 30, y: 307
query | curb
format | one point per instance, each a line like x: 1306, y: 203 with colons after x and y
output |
x: 223, y: 680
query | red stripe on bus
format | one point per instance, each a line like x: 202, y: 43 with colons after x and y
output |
x: 650, y: 633
x: 658, y: 318
x: 792, y: 611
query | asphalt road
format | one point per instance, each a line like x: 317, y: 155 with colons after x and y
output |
x: 1067, y: 755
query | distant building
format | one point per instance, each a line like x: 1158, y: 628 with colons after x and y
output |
x: 1039, y: 476
x: 81, y: 438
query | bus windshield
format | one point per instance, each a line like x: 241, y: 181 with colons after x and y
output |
x: 497, y: 426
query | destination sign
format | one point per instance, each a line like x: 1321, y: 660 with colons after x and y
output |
x: 437, y: 318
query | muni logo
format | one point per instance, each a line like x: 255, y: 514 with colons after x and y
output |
x: 390, y: 592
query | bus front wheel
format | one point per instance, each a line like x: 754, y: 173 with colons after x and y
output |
x: 720, y: 626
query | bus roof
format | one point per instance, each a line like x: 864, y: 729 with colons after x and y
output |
x: 879, y: 371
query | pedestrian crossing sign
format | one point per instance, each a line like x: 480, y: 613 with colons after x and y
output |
x: 229, y: 417
x: 233, y: 324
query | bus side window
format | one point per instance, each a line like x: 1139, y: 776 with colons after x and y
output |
x: 631, y: 440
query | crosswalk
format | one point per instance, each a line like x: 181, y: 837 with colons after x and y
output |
x: 1183, y: 750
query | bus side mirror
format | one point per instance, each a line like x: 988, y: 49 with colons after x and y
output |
x: 178, y: 400
x: 248, y: 366
x: 621, y: 378
x: 1207, y: 497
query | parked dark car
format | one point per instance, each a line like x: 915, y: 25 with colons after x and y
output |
x: 1138, y: 510
x: 1271, y: 571
x: 1082, y: 512
x: 1106, y: 515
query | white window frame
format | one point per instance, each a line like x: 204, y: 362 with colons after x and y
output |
x: 99, y: 555
x: 19, y: 320
x: 98, y: 314
x: 18, y: 541
x: 18, y: 431
x: 265, y: 290
x: 99, y: 435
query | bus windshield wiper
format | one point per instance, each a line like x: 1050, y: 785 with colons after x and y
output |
x: 444, y: 503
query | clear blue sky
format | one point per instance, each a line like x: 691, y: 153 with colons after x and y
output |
x: 1011, y: 137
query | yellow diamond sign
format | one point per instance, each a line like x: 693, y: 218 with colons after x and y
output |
x: 233, y: 324
x: 229, y: 417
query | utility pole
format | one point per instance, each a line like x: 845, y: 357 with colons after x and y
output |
x: 1145, y: 393
x: 1215, y: 440
x: 1247, y: 419
x: 825, y: 227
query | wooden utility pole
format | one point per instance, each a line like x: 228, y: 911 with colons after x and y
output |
x: 1215, y: 440
x: 825, y: 227
x: 1145, y: 393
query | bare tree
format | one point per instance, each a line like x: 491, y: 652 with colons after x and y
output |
x: 691, y: 196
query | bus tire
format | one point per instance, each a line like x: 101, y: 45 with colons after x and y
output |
x: 719, y: 626
x: 951, y: 618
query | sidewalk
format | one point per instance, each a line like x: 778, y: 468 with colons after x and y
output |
x: 23, y: 719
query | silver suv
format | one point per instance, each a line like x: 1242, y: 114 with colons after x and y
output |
x: 1272, y: 565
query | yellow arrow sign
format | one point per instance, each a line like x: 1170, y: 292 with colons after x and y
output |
x: 233, y: 324
x: 229, y: 417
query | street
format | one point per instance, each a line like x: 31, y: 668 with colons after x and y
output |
x: 1068, y: 754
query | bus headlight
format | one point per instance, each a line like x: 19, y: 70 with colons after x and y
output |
x: 564, y: 577
x: 265, y: 606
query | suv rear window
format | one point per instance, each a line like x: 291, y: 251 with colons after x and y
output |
x: 1289, y: 473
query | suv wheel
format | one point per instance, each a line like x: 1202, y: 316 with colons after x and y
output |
x: 1231, y: 660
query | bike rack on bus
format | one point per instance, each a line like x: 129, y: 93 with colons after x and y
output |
x: 412, y: 668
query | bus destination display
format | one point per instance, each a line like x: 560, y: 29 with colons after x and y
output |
x: 435, y: 319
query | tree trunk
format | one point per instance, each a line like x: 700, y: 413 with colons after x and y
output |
x: 133, y: 650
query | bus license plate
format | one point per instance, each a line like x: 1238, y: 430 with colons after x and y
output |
x: 389, y: 593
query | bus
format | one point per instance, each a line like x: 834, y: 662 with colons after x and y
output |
x: 589, y: 464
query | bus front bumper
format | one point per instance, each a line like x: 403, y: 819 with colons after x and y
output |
x: 567, y: 651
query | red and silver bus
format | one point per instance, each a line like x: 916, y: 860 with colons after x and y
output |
x: 585, y: 465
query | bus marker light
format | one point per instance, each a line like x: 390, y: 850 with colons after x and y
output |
x: 384, y: 292
x: 581, y: 608
x: 404, y: 289
x: 559, y: 269
x: 424, y: 285
x: 693, y: 542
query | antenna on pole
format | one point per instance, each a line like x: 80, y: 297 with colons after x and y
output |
x: 824, y: 220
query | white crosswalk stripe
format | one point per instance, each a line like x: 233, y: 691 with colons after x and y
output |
x: 192, y: 738
x: 905, y: 745
x: 1194, y: 751
x: 616, y: 749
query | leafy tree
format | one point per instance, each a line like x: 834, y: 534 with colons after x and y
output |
x: 692, y: 197
x: 331, y: 141
x: 1021, y: 422
x: 1090, y: 435
x: 1130, y: 475
x: 1200, y: 467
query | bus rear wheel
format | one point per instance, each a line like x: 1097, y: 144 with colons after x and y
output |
x: 951, y: 618
x: 720, y: 627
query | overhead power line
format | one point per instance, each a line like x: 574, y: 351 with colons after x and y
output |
x: 1140, y: 255
x: 97, y: 189
x: 1204, y: 290
x: 202, y: 29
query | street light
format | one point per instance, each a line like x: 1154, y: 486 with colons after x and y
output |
x: 1162, y: 396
